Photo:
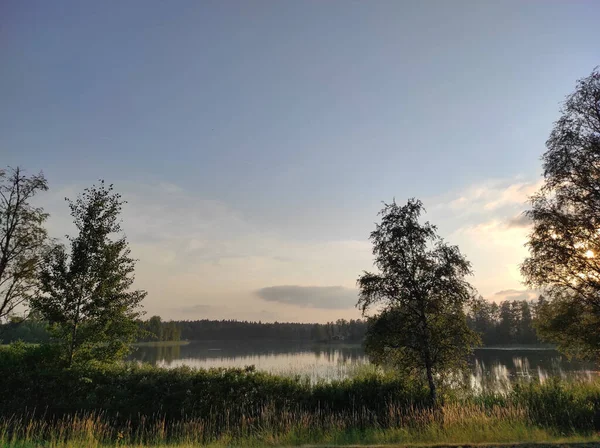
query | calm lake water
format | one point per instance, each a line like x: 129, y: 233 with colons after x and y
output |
x: 494, y: 368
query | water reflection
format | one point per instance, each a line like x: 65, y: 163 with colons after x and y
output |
x: 498, y: 369
x: 493, y: 369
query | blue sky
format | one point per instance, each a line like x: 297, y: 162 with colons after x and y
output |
x: 256, y: 140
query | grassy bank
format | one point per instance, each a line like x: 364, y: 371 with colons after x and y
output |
x: 45, y: 405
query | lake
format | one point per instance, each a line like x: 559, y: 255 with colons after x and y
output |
x: 490, y: 367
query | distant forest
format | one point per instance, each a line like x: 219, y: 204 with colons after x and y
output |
x: 505, y: 323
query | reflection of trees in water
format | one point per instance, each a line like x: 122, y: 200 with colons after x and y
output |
x: 490, y: 369
x: 498, y: 369
x: 157, y: 354
x: 337, y: 353
x: 241, y: 351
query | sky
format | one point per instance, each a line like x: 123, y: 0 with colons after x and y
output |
x: 255, y: 141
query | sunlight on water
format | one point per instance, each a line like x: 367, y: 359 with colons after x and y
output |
x: 333, y: 365
x: 491, y: 369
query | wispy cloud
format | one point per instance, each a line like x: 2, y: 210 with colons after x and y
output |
x: 491, y: 196
x: 328, y: 297
x: 515, y: 294
x: 519, y: 221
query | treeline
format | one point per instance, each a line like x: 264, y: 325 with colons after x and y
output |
x: 505, y: 323
x: 340, y: 330
x: 31, y: 330
x: 154, y: 329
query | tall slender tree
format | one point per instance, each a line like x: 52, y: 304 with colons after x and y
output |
x: 23, y: 238
x: 86, y: 291
x: 564, y: 245
x: 421, y: 293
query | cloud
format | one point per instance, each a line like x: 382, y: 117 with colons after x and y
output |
x: 492, y: 195
x: 327, y: 297
x: 517, y: 193
x: 497, y: 232
x: 519, y: 221
x: 516, y: 294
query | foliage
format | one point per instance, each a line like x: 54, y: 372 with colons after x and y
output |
x: 31, y: 329
x: 154, y: 329
x: 208, y: 405
x: 23, y: 238
x: 128, y: 390
x: 564, y: 245
x: 423, y: 293
x: 85, y: 294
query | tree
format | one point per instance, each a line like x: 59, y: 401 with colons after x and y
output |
x: 23, y: 238
x: 85, y: 293
x: 155, y: 327
x: 508, y: 322
x: 564, y: 245
x: 526, y: 333
x: 422, y: 294
x: 481, y: 319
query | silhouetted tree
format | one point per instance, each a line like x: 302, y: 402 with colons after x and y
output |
x: 85, y: 293
x: 564, y: 245
x: 506, y: 324
x: 23, y: 238
x: 423, y: 293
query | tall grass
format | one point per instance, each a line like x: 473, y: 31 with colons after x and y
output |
x: 456, y: 423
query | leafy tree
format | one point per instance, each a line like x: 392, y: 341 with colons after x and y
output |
x: 564, y: 245
x: 170, y: 331
x: 421, y: 293
x: 85, y: 293
x: 23, y: 238
x: 155, y: 327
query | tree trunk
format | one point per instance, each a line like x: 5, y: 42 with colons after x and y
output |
x: 431, y: 382
x: 72, y: 345
x: 74, y: 331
